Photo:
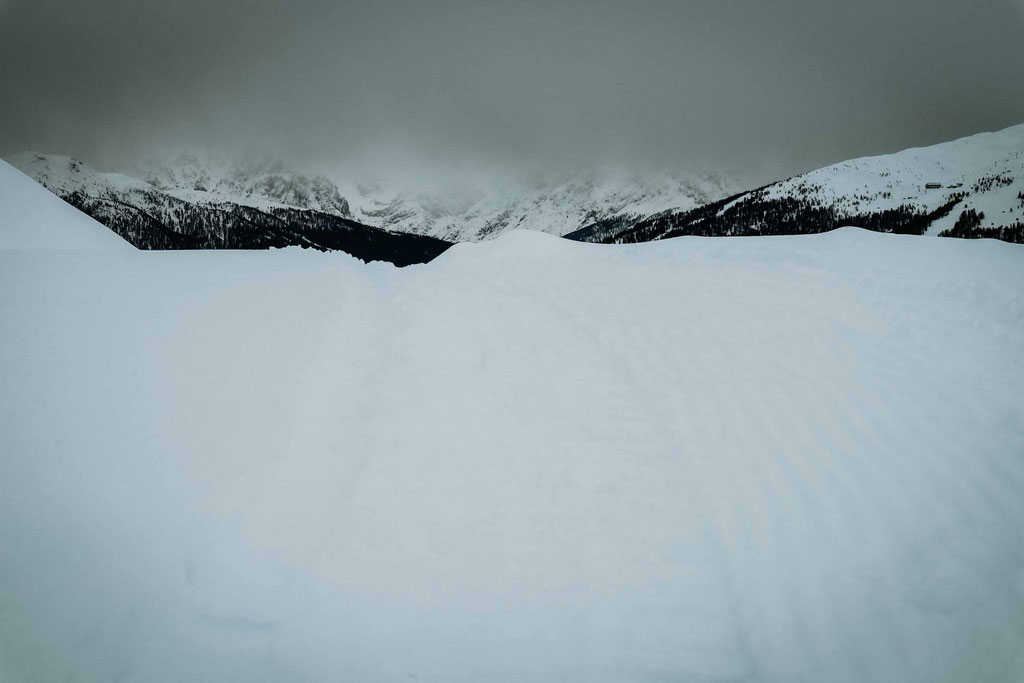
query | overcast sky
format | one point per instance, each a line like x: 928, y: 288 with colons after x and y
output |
x: 422, y: 87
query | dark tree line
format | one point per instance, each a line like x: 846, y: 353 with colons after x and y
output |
x: 153, y: 220
x: 598, y: 231
x: 991, y: 182
x: 328, y: 232
x: 755, y: 213
x: 968, y: 226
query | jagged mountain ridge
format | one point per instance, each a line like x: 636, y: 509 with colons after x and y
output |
x: 978, y: 192
x: 559, y: 208
x: 971, y: 187
x: 153, y: 218
x: 459, y: 214
x: 266, y: 183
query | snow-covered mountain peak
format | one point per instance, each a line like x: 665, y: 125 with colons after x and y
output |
x: 556, y: 207
x: 971, y: 187
x: 64, y: 175
x: 987, y: 168
x: 207, y: 178
x: 467, y: 212
x: 963, y: 161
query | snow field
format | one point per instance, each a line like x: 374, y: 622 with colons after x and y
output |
x: 32, y: 218
x: 748, y: 459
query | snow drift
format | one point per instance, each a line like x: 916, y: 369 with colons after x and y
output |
x: 763, y: 459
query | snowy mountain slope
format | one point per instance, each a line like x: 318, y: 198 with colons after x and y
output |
x: 452, y: 215
x: 699, y: 460
x: 558, y: 208
x: 33, y: 218
x: 978, y: 191
x: 264, y: 184
x: 458, y: 214
x: 153, y: 218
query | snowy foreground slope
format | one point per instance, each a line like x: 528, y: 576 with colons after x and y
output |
x: 32, y: 218
x: 765, y: 459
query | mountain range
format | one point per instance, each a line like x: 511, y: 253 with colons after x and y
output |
x: 460, y: 215
x: 971, y: 187
x: 559, y: 207
x: 188, y: 209
x: 266, y: 183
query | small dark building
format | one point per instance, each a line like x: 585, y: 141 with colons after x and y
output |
x: 933, y: 186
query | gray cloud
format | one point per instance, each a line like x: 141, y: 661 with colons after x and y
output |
x: 459, y: 87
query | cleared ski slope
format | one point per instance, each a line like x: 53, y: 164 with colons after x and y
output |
x: 747, y: 459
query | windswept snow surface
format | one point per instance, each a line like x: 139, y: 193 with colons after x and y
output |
x: 763, y: 459
x: 33, y: 218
